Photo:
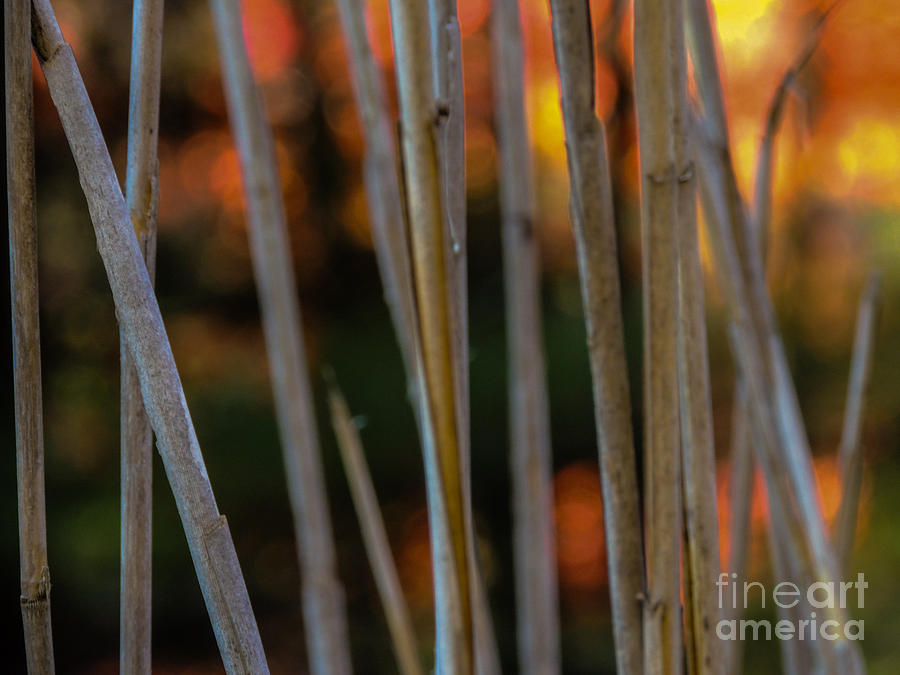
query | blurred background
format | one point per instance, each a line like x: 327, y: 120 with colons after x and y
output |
x: 836, y: 217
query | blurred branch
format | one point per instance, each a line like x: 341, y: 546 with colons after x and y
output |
x: 590, y: 205
x: 211, y: 545
x: 141, y: 200
x: 34, y: 572
x: 323, y: 596
x: 374, y: 534
x: 850, y: 454
x: 532, y: 464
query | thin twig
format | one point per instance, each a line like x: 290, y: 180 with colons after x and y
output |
x: 374, y: 534
x: 323, y: 596
x: 141, y: 199
x: 23, y: 266
x: 531, y: 461
x: 442, y: 448
x: 209, y: 539
x: 654, y: 28
x: 850, y: 454
x: 598, y: 266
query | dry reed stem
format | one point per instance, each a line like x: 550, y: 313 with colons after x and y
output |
x: 323, y: 596
x: 381, y: 171
x: 141, y: 200
x: 697, y: 441
x: 751, y: 302
x: 531, y: 461
x: 23, y: 266
x: 595, y: 239
x: 209, y: 539
x: 654, y: 28
x: 443, y: 451
x: 850, y: 454
x: 374, y: 534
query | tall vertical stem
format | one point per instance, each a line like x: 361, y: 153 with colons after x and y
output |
x: 591, y: 208
x: 141, y: 199
x: 531, y: 461
x: 23, y: 277
x: 323, y: 597
x: 654, y: 27
x: 697, y: 441
x: 433, y: 281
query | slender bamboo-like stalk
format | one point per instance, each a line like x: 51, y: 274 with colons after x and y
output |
x: 382, y: 181
x: 654, y: 28
x: 438, y: 400
x: 850, y: 454
x: 374, y: 534
x: 323, y: 597
x: 208, y: 536
x: 697, y: 444
x: 531, y: 461
x: 141, y: 198
x: 23, y: 280
x: 446, y: 47
x: 595, y: 240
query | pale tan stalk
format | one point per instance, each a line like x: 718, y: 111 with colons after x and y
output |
x: 374, y: 534
x: 209, y: 539
x: 444, y: 456
x: 593, y: 223
x: 382, y: 181
x: 324, y: 613
x: 34, y: 571
x: 697, y: 441
x: 850, y: 454
x: 756, y: 369
x: 653, y: 36
x: 531, y: 461
x: 141, y: 199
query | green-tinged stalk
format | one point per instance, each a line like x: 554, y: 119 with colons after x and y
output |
x: 323, y: 596
x: 34, y: 570
x: 850, y: 454
x: 374, y: 534
x: 654, y: 27
x: 446, y: 481
x: 591, y: 209
x: 530, y: 456
x: 208, y: 536
x: 141, y: 200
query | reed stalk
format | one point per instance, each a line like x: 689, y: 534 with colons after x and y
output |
x: 141, y: 200
x: 654, y: 29
x: 34, y: 570
x: 850, y: 454
x: 323, y: 596
x: 591, y: 203
x: 208, y: 536
x: 697, y: 440
x: 437, y: 368
x: 529, y: 414
x: 752, y: 307
x: 374, y: 534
